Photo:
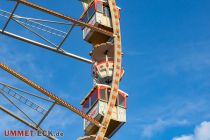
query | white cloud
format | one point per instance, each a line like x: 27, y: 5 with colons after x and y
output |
x: 202, y: 132
x: 190, y: 137
x: 161, y: 125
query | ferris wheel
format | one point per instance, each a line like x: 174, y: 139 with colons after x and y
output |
x: 104, y: 107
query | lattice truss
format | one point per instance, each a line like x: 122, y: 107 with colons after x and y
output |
x: 24, y: 102
x: 44, y: 33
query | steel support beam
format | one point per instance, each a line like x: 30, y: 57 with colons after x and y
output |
x: 35, y: 33
x: 25, y: 92
x: 68, y: 33
x: 10, y: 17
x: 50, y: 94
x: 46, y: 114
x: 2, y: 92
x: 46, y: 46
x: 78, y: 22
x: 24, y: 121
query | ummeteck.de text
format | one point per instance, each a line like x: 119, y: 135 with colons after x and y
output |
x: 28, y: 133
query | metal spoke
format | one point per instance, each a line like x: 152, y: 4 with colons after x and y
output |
x: 25, y: 122
x: 35, y: 19
x: 31, y: 22
x: 1, y: 92
x: 26, y: 92
x: 56, y: 48
x: 43, y: 27
x: 23, y: 100
x: 59, y: 15
x: 50, y: 94
x: 46, y: 47
x: 37, y: 34
x: 46, y: 114
x: 68, y: 33
x: 5, y: 26
x: 43, y: 20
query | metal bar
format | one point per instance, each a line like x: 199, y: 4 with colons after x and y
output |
x: 24, y: 100
x: 2, y: 92
x: 51, y: 28
x: 23, y: 91
x: 43, y: 20
x: 35, y: 33
x: 37, y: 25
x: 35, y: 19
x: 24, y: 121
x: 3, y: 16
x: 68, y: 33
x: 24, y: 2
x: 50, y: 94
x: 116, y: 72
x: 41, y: 27
x: 5, y: 26
x: 46, y: 47
x: 46, y: 114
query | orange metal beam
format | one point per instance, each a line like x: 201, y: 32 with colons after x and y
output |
x: 117, y: 70
x: 49, y: 94
x: 78, y: 22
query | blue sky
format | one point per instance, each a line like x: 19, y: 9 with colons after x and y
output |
x: 166, y: 46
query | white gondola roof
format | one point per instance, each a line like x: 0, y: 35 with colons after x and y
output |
x: 96, y: 87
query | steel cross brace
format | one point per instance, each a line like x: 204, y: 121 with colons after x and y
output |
x: 24, y: 121
x: 10, y: 17
x: 78, y: 22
